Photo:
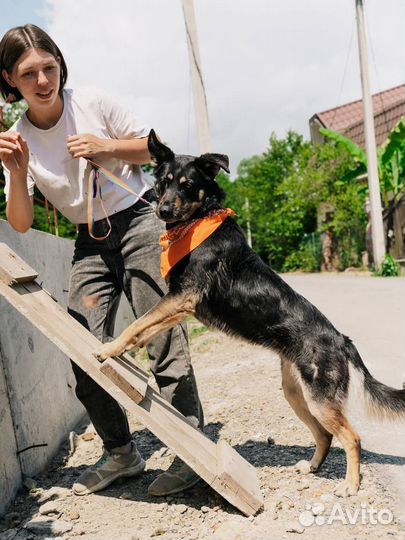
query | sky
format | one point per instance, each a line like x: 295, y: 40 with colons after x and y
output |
x: 268, y: 65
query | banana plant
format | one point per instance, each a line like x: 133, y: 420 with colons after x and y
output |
x: 390, y: 161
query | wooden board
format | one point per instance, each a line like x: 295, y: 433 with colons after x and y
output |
x: 218, y: 464
x: 117, y: 371
x: 13, y: 269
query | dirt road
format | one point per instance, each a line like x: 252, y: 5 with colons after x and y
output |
x: 240, y: 387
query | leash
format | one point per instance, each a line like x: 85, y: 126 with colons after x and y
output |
x: 94, y: 189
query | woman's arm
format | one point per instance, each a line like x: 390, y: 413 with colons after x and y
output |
x: 14, y: 154
x: 89, y: 146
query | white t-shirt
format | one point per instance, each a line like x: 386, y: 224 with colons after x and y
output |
x: 62, y: 179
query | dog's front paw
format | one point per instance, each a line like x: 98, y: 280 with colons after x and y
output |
x: 108, y: 350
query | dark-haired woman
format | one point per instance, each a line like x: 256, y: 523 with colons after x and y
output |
x: 43, y: 149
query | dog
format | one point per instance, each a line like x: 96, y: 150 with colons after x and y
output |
x: 227, y: 286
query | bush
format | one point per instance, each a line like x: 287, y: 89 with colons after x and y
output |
x: 389, y: 268
x: 308, y: 258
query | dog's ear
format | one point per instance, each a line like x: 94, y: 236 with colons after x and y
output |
x: 158, y: 151
x: 212, y: 163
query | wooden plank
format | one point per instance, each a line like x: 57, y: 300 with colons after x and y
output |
x: 117, y: 371
x: 13, y: 269
x: 219, y: 465
x: 238, y: 478
x: 78, y: 344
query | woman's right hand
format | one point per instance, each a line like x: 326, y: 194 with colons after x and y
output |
x: 14, y: 153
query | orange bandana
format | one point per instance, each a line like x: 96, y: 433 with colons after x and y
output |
x: 183, y: 239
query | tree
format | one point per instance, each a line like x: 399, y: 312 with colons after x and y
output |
x: 287, y: 186
x: 390, y: 161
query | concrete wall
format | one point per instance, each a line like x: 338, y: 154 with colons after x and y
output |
x: 37, y: 399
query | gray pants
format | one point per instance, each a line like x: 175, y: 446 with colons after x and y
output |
x: 127, y: 261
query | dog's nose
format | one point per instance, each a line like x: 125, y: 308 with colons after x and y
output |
x: 164, y: 210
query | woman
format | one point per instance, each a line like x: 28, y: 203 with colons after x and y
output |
x: 119, y: 254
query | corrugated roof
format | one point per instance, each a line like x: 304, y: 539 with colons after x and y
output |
x: 388, y: 107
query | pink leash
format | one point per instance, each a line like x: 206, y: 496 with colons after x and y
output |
x: 94, y: 188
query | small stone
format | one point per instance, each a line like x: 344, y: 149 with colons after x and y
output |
x: 89, y: 436
x: 156, y: 532
x: 126, y: 495
x: 61, y: 527
x: 40, y: 525
x: 29, y: 483
x: 181, y: 508
x: 205, y: 509
x: 48, y: 508
x: 295, y: 528
x: 46, y: 525
x: 302, y: 486
x: 303, y: 466
x: 56, y: 492
x: 270, y: 441
x: 251, y: 518
x: 73, y: 514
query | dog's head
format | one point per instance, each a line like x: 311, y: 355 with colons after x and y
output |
x: 185, y: 184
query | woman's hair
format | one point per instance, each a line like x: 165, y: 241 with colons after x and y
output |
x: 15, y: 43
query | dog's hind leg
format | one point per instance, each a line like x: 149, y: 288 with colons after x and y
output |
x: 333, y: 419
x: 295, y: 397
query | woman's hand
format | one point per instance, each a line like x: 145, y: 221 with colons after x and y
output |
x: 89, y: 146
x: 14, y: 153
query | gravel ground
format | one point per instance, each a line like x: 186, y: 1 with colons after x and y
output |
x: 240, y: 387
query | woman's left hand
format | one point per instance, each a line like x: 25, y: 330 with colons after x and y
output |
x: 89, y: 146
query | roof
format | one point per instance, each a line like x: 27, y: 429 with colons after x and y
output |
x: 388, y: 107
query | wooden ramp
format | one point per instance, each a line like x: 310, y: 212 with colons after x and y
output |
x: 218, y: 464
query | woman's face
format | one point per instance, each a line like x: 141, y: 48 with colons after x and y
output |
x: 36, y: 74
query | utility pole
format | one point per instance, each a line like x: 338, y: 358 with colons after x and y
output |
x: 248, y: 228
x: 200, y: 98
x: 377, y: 226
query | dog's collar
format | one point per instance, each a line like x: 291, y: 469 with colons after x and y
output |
x: 184, y: 238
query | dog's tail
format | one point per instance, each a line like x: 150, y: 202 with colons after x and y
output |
x: 382, y: 401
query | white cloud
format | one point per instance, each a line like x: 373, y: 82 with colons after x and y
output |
x: 268, y: 64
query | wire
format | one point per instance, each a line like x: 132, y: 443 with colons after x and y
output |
x: 344, y: 71
x: 379, y: 90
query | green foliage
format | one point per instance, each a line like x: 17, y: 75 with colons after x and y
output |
x: 11, y: 113
x: 285, y: 187
x: 391, y: 164
x: 389, y: 268
x: 308, y: 258
x: 390, y: 161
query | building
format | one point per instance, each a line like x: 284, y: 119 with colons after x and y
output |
x: 347, y: 119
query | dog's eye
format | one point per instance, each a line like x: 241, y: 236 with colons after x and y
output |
x: 159, y: 187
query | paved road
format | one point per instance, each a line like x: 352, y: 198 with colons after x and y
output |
x: 371, y: 311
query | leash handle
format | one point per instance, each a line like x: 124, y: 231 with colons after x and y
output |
x: 94, y: 188
x: 117, y: 181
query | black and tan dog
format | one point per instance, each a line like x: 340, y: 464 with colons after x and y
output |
x: 227, y: 286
